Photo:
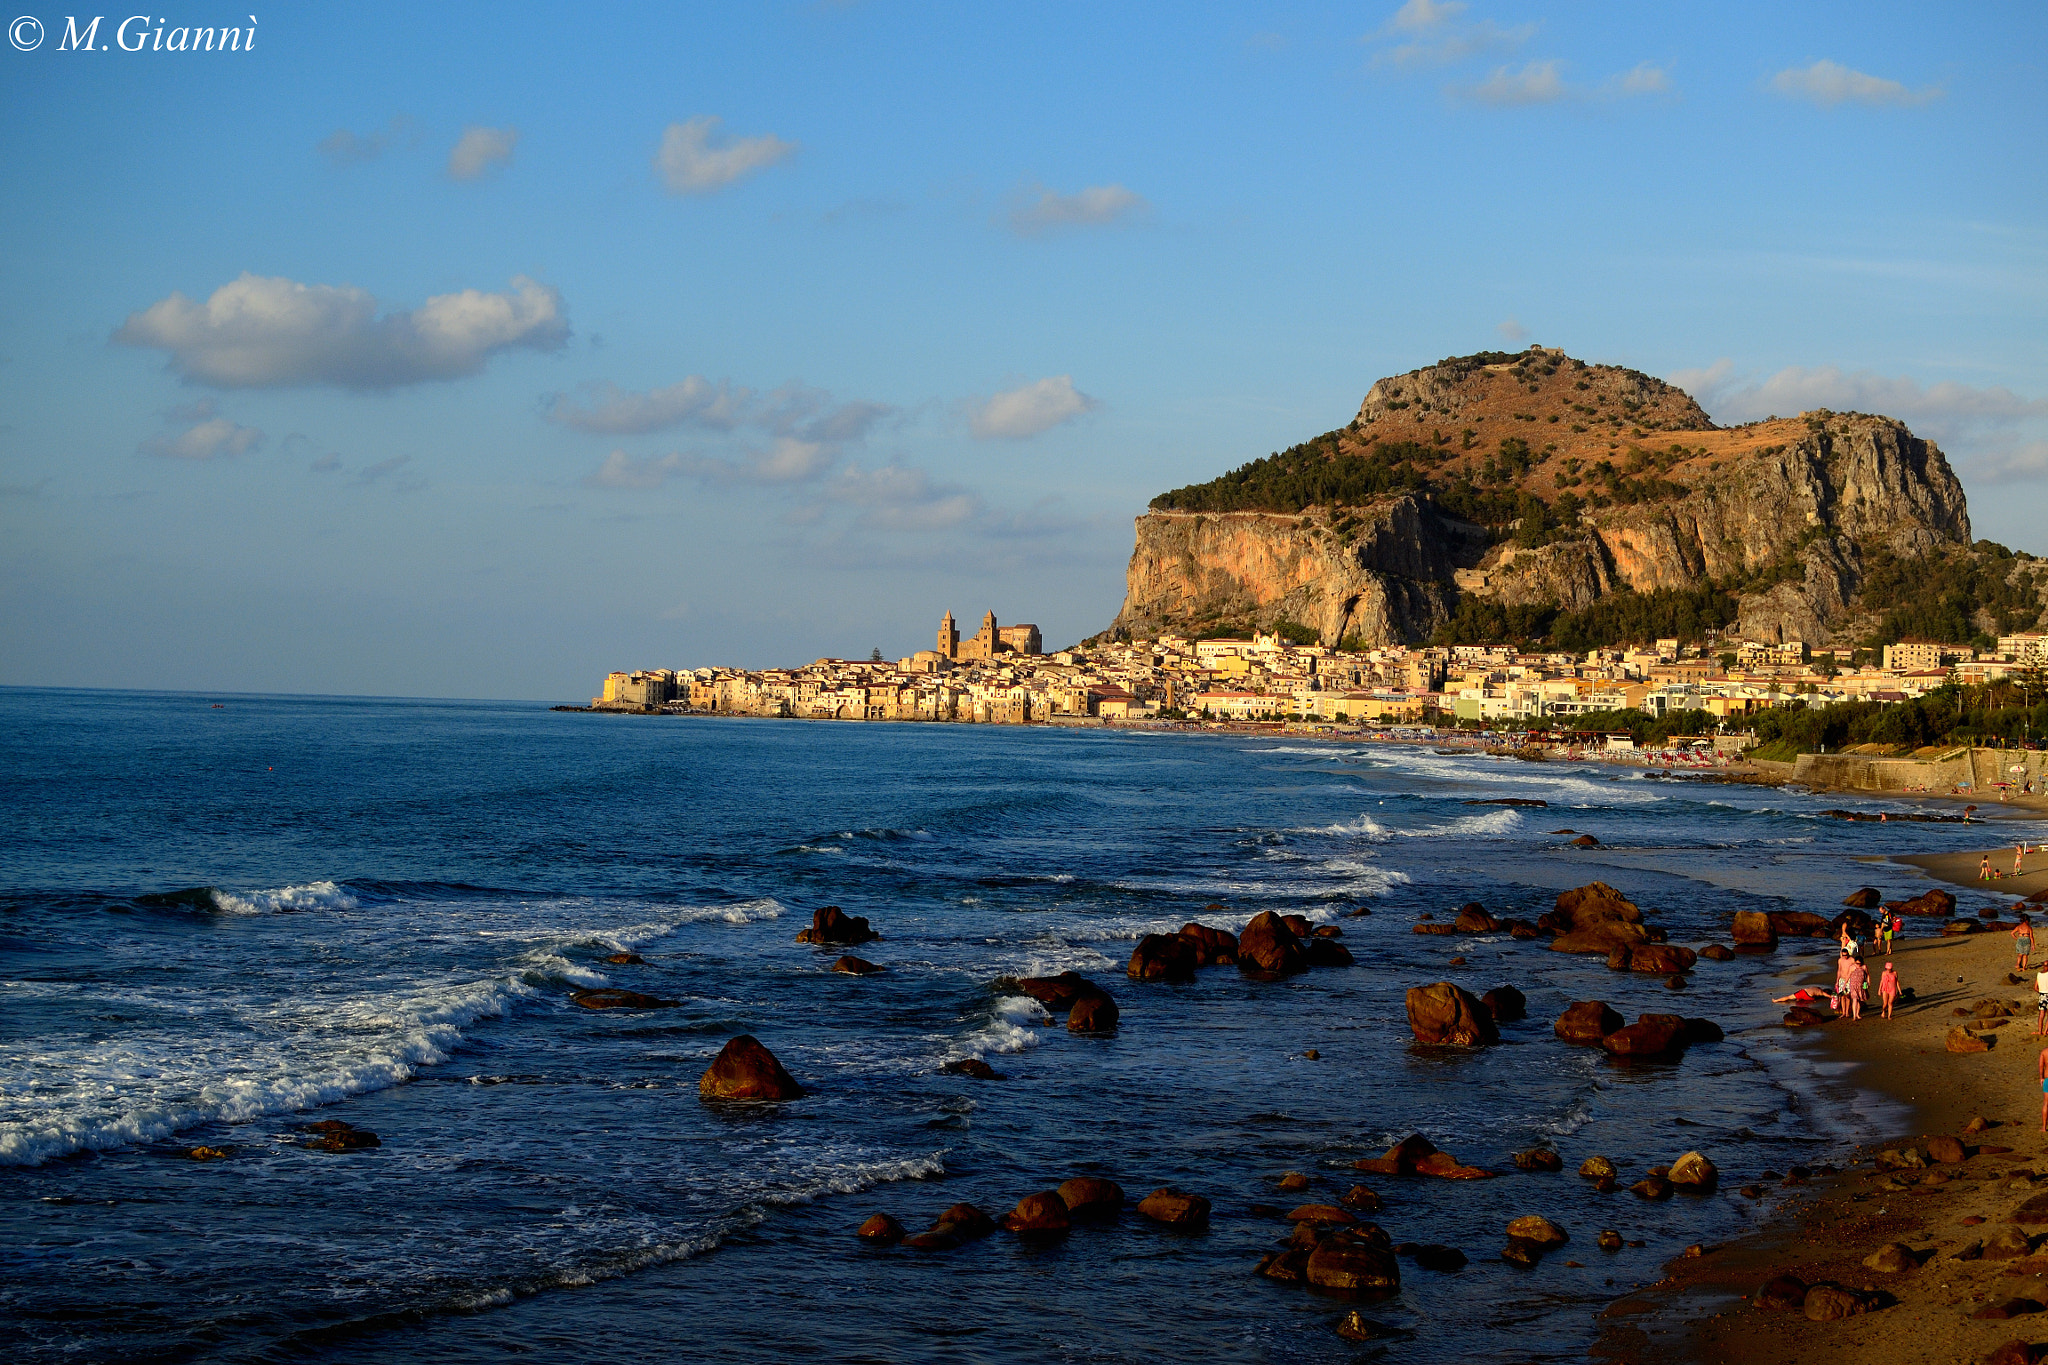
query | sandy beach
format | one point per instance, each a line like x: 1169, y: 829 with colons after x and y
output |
x: 1965, y: 869
x: 1950, y: 1215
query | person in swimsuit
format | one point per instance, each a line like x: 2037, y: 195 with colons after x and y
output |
x: 1984, y: 868
x: 1888, y: 988
x: 2023, y: 941
x: 2041, y: 1010
x: 1852, y: 984
x: 1802, y: 996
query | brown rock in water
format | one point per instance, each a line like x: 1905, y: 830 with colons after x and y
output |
x: 972, y: 1066
x: 1892, y: 1258
x: 1088, y: 1198
x: 1163, y: 957
x: 1363, y: 1200
x: 209, y: 1153
x: 1946, y: 1150
x: 1586, y: 1022
x: 832, y: 925
x: 965, y: 1222
x: 1040, y: 1215
x: 1327, y: 952
x: 1601, y: 939
x: 1328, y: 931
x: 1699, y: 1031
x: 1652, y: 1035
x: 1320, y: 1213
x: 1400, y: 1158
x: 1298, y: 924
x: 1597, y: 1168
x: 1506, y: 1004
x: 1433, y: 1256
x: 1582, y: 907
x: 1440, y: 930
x: 1447, y: 1167
x: 1354, y: 1262
x: 1446, y: 1015
x: 856, y: 966
x: 626, y: 960
x: 1610, y: 1240
x: 1780, y: 1292
x: 1473, y: 919
x: 1187, y: 1212
x: 1293, y: 1182
x: 1355, y: 1326
x: 1521, y: 929
x: 1057, y: 993
x: 1288, y: 1267
x: 1717, y: 952
x: 1934, y: 901
x: 1694, y: 1173
x: 1962, y: 1040
x: 336, y: 1136
x: 1093, y: 1014
x: 1651, y: 1187
x: 1866, y: 899
x: 1585, y: 841
x: 1537, y: 1230
x: 1754, y: 928
x: 1213, y: 947
x: 618, y: 1000
x: 1797, y: 924
x: 745, y: 1070
x: 1660, y: 959
x: 881, y: 1230
x: 1538, y: 1159
x: 932, y: 1241
x: 1269, y: 946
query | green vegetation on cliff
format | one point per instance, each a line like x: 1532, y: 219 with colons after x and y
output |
x: 1943, y: 598
x: 1314, y: 473
x: 1620, y: 618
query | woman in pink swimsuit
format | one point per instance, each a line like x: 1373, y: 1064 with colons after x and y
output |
x: 1888, y: 988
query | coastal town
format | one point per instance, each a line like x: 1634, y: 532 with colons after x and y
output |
x: 1000, y: 675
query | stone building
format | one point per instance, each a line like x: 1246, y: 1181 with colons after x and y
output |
x: 987, y: 642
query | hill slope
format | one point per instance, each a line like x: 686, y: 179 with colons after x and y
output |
x: 1533, y: 494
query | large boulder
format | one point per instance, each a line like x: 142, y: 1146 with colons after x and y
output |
x: 1057, y: 993
x: 1164, y: 957
x: 881, y: 1230
x: 745, y: 1070
x: 1538, y: 1230
x: 832, y: 925
x: 1473, y: 919
x: 1797, y: 924
x: 1171, y: 1207
x: 1832, y: 1303
x: 1355, y: 1261
x: 1694, y: 1174
x: 1088, y: 1198
x: 1586, y: 1022
x: 1583, y: 907
x: 1506, y: 1004
x: 1269, y: 947
x: 1652, y: 1035
x: 1868, y: 898
x: 857, y: 966
x: 1658, y: 959
x: 1934, y: 901
x: 1327, y: 952
x: 1095, y: 1013
x: 1040, y: 1215
x: 1961, y: 1040
x: 1447, y: 1015
x: 1213, y: 947
x: 1601, y: 939
x: 1754, y: 928
x: 964, y: 1222
x: 1857, y: 922
x: 608, y: 999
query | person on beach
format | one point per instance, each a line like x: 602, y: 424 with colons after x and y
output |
x: 2043, y: 1068
x: 1853, y: 987
x: 2023, y: 941
x: 1888, y: 988
x: 1803, y: 996
x: 2041, y: 1008
x: 1886, y: 923
x: 1984, y: 868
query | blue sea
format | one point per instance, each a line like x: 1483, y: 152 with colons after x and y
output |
x: 225, y: 917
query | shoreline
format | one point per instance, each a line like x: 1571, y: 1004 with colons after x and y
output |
x: 1702, y: 1310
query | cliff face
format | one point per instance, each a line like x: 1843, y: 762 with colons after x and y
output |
x: 1784, y: 511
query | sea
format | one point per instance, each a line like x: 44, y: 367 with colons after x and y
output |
x: 225, y: 917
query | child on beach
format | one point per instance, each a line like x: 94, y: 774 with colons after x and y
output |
x: 1888, y: 988
x: 1984, y: 868
x: 2023, y: 941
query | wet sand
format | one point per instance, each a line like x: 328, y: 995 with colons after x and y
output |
x: 1964, y: 869
x: 1822, y: 1231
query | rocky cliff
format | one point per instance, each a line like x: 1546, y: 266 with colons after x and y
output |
x: 1536, y: 480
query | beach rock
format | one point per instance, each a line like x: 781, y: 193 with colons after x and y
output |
x: 1585, y: 841
x: 1586, y: 1022
x: 1352, y: 1261
x: 1597, y: 1168
x: 1163, y: 957
x: 1293, y: 1182
x: 1440, y: 930
x: 1186, y: 1212
x: 208, y: 1153
x: 1832, y: 1303
x: 1583, y: 907
x: 1956, y: 928
x: 1717, y: 952
x: 1400, y: 1158
x: 1213, y: 947
x: 1652, y: 1035
x: 1093, y: 1014
x: 1601, y: 939
x: 1934, y: 901
x: 1651, y: 1187
x: 1355, y: 1326
x: 2007, y: 1308
x: 1288, y: 1267
x: 1506, y: 1004
x: 1043, y: 1215
x: 1538, y: 1159
x: 1446, y: 1015
x: 1298, y: 924
x: 1780, y: 1292
x: 336, y: 1136
x: 881, y: 1230
x: 1866, y: 899
x: 832, y: 925
x: 1608, y: 1240
x: 856, y: 966
x: 1447, y: 1167
x: 932, y: 1241
x: 626, y: 959
x: 1363, y: 1200
x: 1978, y: 1124
x: 1754, y: 928
x: 745, y: 1070
x: 1089, y: 1199
x: 1328, y: 931
x: 1056, y: 993
x: 1537, y: 1230
x: 1797, y: 924
x: 1430, y: 1256
x: 1326, y: 952
x: 965, y: 1222
x: 1694, y: 1174
x: 2015, y: 1353
x: 1805, y: 1016
x: 1892, y: 1258
x: 1699, y: 1031
x: 1899, y: 1158
x: 619, y: 1000
x: 1659, y: 958
x: 1962, y: 1040
x: 972, y: 1066
x: 1268, y: 945
x: 2008, y: 1244
x: 1320, y: 1213
x: 1947, y: 1150
x: 1473, y: 919
x: 1521, y: 929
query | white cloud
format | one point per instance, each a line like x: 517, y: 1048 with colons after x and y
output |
x: 264, y: 332
x: 1017, y: 413
x: 1536, y: 83
x: 2018, y: 463
x: 901, y: 498
x: 1940, y: 410
x: 1646, y: 78
x: 1419, y: 16
x: 1512, y: 332
x: 1039, y: 210
x: 692, y: 159
x: 1829, y: 83
x: 211, y: 435
x: 480, y: 151
x: 611, y: 410
x: 345, y: 148
x: 1457, y: 46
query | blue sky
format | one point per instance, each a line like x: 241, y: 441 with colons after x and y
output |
x: 476, y: 350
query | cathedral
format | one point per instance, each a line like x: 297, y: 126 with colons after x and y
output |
x: 987, y: 642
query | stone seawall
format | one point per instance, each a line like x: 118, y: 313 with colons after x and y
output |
x: 1975, y: 770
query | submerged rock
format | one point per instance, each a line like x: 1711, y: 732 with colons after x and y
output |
x: 1163, y: 957
x: 332, y: 1135
x: 832, y: 925
x: 1268, y: 945
x: 881, y: 1230
x: 1175, y: 1209
x: 1538, y: 1159
x: 1447, y: 1015
x: 619, y: 1000
x: 856, y: 966
x: 972, y: 1066
x: 1040, y: 1215
x: 1089, y: 1198
x: 1506, y: 1004
x: 745, y: 1070
x: 1586, y: 1022
x: 1093, y: 1014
